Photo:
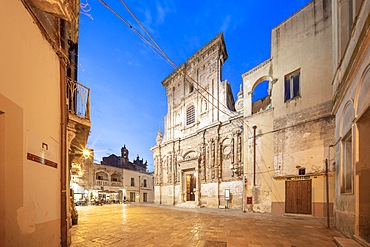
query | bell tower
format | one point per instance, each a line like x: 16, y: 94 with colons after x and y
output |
x: 124, y: 154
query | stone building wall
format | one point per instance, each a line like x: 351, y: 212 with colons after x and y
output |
x: 193, y: 160
x: 294, y: 133
x: 351, y: 98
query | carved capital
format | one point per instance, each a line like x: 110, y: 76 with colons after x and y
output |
x: 71, y: 134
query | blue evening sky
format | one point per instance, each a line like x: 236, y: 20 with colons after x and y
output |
x: 128, y: 101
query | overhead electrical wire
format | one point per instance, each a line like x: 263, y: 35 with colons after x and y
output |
x: 157, y: 49
x: 153, y: 45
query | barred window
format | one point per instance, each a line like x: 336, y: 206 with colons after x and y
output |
x: 190, y: 115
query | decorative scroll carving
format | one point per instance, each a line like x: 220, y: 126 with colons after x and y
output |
x: 175, y: 164
x: 169, y: 168
x: 239, y: 149
x: 219, y: 170
x: 213, y: 152
x: 203, y: 162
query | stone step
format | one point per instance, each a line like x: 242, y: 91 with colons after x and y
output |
x: 187, y: 205
x: 361, y: 241
x: 346, y: 242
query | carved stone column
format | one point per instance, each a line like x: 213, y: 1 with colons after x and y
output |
x: 182, y: 193
x: 197, y: 171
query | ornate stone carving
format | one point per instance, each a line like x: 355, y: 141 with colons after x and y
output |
x: 159, y: 137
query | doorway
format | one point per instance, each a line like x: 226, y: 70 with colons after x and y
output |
x: 191, y: 187
x: 298, y: 197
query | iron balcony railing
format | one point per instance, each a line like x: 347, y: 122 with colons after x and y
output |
x: 78, y: 99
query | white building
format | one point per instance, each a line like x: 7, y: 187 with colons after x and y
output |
x: 199, y: 159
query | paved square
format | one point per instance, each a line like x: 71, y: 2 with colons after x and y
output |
x: 155, y: 226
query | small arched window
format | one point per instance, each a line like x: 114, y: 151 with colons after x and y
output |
x: 191, y: 88
x: 190, y: 115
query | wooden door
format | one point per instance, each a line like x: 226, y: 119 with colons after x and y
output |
x: 298, y: 197
x: 193, y: 187
x: 190, y: 187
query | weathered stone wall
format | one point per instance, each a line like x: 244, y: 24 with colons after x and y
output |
x: 294, y: 132
x: 302, y: 140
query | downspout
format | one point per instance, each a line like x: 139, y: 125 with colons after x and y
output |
x: 254, y: 154
x: 327, y: 161
x: 173, y: 163
x: 327, y: 194
x: 63, y: 135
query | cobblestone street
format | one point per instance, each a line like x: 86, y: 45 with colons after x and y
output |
x: 150, y: 225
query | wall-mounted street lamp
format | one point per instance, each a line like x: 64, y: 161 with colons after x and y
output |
x: 86, y: 153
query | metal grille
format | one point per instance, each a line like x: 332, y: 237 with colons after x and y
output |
x: 190, y: 115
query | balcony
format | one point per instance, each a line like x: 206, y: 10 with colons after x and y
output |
x: 108, y: 183
x: 102, y: 183
x: 116, y: 184
x: 65, y: 9
x: 78, y: 103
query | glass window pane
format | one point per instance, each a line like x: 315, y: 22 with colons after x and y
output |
x: 287, y: 89
x: 296, y: 85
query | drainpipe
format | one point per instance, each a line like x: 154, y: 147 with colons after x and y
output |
x: 254, y: 154
x: 173, y: 163
x: 139, y: 188
x: 327, y: 193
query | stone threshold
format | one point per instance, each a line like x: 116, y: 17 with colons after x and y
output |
x: 348, y: 242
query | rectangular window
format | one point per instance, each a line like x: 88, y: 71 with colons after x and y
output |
x: 132, y: 196
x: 347, y: 164
x: 145, y: 184
x: 292, y: 86
x: 190, y: 115
x: 132, y: 181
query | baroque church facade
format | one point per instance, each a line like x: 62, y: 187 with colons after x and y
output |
x: 199, y: 158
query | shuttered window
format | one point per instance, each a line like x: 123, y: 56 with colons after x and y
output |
x: 190, y: 115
